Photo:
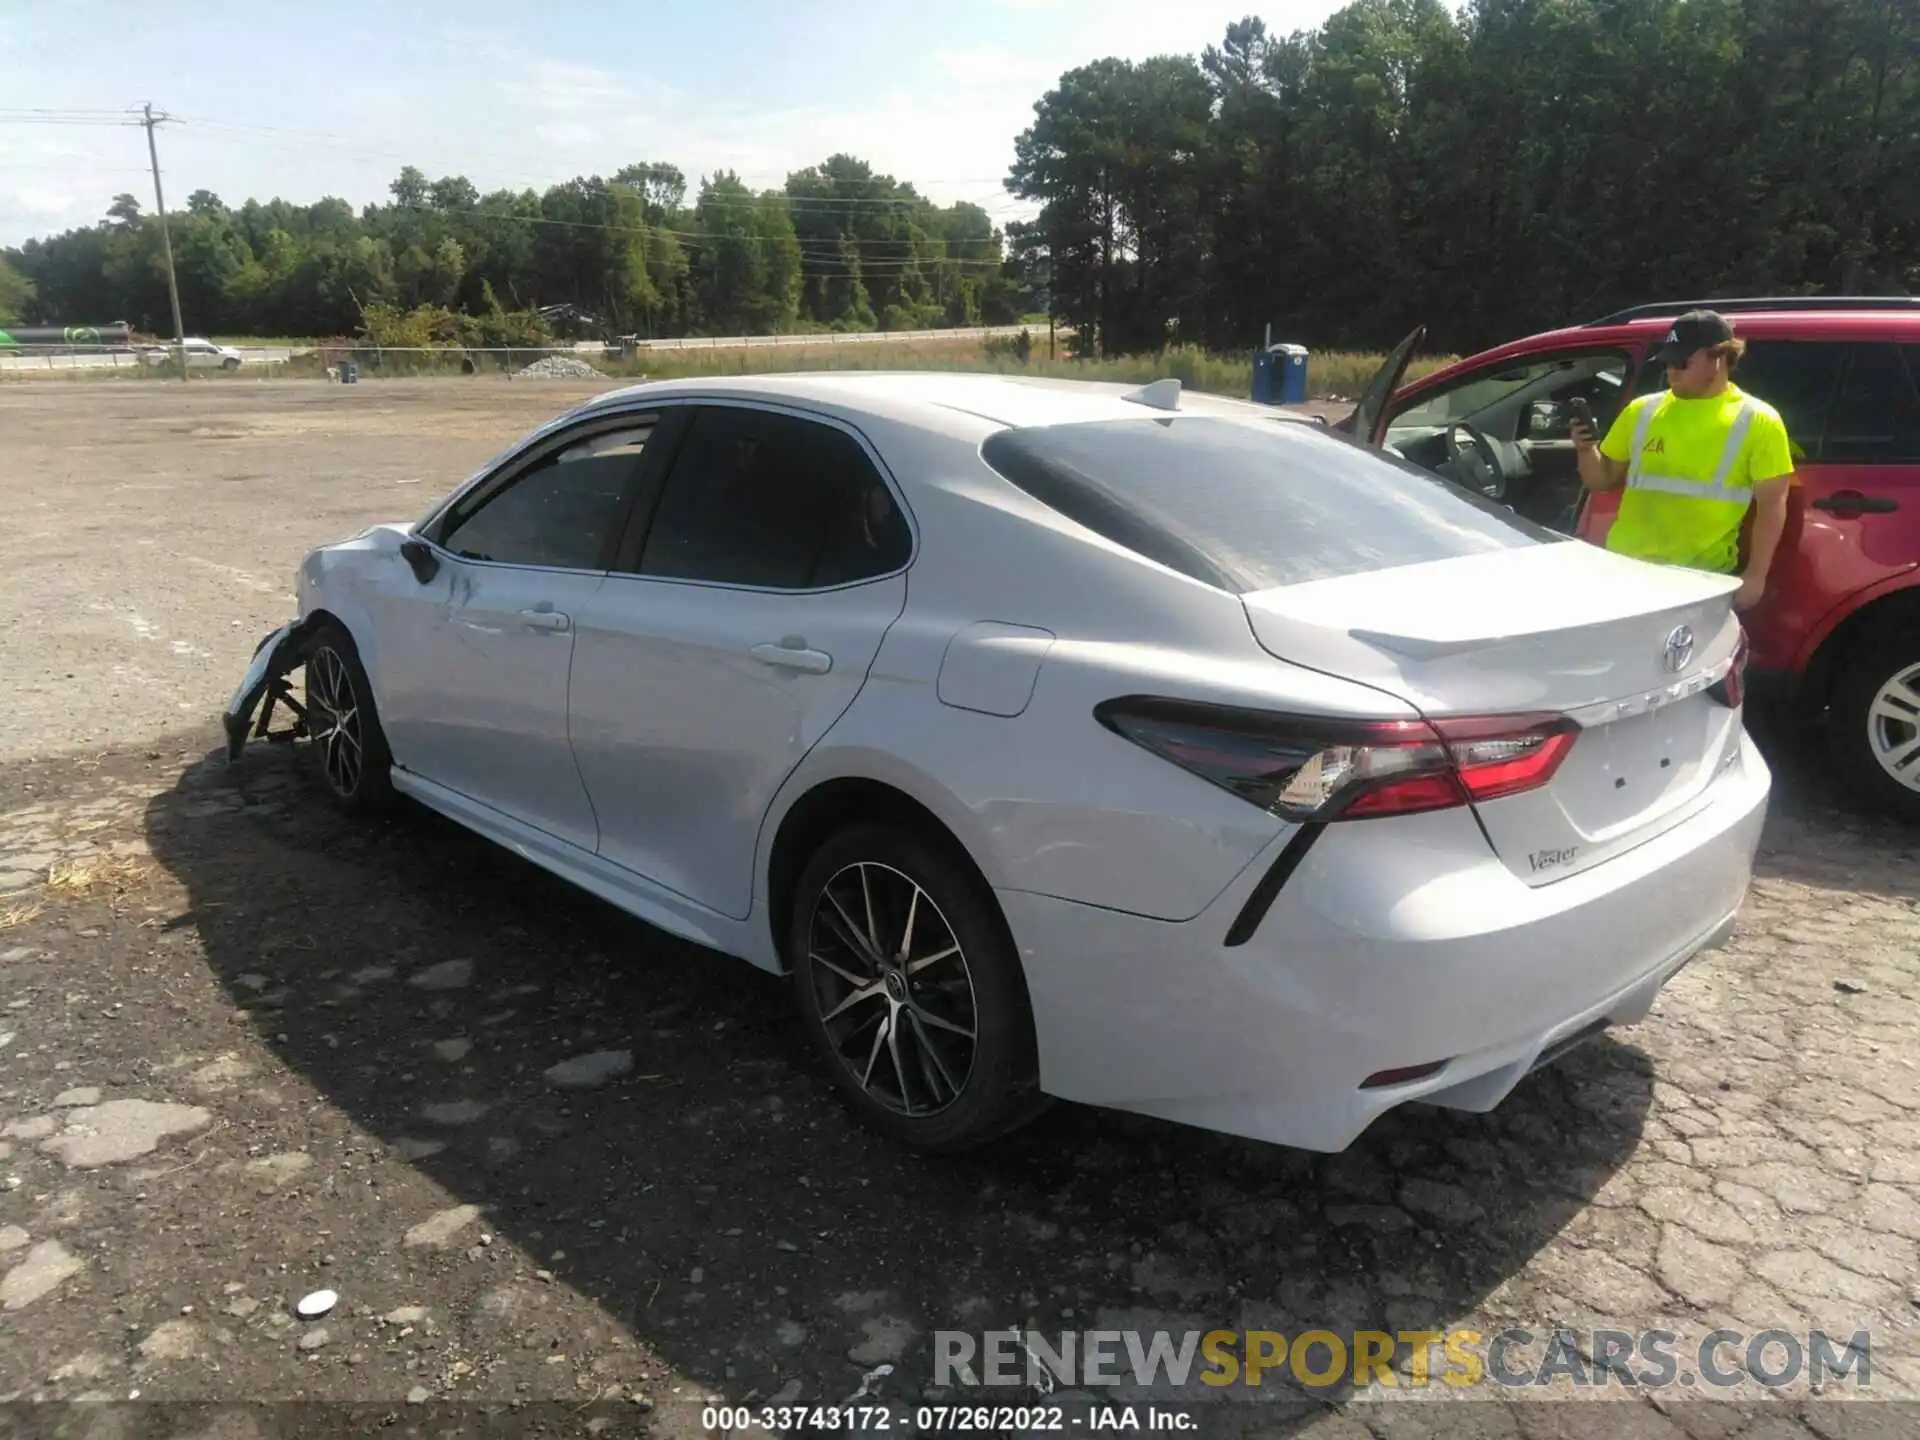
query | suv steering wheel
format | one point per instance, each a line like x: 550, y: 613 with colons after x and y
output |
x: 1478, y: 460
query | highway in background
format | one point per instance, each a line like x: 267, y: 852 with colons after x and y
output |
x: 272, y: 355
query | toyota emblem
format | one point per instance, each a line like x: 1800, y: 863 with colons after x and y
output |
x: 1679, y: 648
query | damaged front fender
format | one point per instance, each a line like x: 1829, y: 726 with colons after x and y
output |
x: 264, y: 686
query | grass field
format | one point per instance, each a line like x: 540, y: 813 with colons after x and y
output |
x: 1331, y: 375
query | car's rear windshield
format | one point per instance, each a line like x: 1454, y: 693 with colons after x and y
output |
x: 1249, y: 505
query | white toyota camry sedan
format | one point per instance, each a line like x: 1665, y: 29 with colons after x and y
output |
x: 1143, y: 749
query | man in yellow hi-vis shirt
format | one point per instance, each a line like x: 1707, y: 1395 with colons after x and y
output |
x: 1692, y: 459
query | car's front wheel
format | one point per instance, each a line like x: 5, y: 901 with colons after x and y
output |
x: 909, y: 985
x: 349, y: 750
x: 1874, y: 725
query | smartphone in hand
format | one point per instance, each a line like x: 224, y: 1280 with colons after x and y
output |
x: 1583, y: 427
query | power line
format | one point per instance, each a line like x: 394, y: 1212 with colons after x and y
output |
x: 49, y: 165
x: 70, y: 113
x: 704, y: 236
x: 65, y: 120
x: 821, y: 257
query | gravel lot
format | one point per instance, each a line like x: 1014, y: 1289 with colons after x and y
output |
x: 248, y: 1052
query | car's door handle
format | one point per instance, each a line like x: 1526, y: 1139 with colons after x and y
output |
x: 1852, y: 502
x: 792, y: 654
x: 544, y: 619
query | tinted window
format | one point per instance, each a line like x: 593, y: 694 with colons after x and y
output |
x: 756, y: 498
x: 1250, y: 505
x: 1876, y: 420
x: 560, y: 513
x: 1798, y: 378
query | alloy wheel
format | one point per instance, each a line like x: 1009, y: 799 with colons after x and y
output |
x: 333, y: 720
x: 1893, y: 727
x: 894, y: 991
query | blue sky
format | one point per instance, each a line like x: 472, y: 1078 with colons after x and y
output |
x: 333, y: 97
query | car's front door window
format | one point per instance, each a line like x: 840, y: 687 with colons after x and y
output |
x: 1524, y: 400
x: 561, y: 513
x: 1506, y: 429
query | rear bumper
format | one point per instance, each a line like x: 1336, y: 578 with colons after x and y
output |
x: 1393, y: 944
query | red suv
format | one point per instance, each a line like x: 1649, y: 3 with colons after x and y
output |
x: 1838, y: 634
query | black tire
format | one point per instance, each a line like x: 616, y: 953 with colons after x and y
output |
x: 1856, y: 736
x: 229, y: 364
x: 931, y: 1107
x: 350, y: 759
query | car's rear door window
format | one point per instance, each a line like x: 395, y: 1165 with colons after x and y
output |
x: 775, y: 501
x: 1251, y: 505
x: 1876, y: 419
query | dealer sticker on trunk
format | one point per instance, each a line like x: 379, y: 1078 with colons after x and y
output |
x: 1550, y: 859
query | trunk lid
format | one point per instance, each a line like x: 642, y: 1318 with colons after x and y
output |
x: 1562, y: 629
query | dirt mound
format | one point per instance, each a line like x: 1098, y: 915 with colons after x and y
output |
x: 559, y: 367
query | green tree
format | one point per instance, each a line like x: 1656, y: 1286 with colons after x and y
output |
x: 662, y: 190
x: 1119, y: 156
x: 745, y: 263
x: 1514, y: 165
x: 16, y: 293
x: 592, y: 253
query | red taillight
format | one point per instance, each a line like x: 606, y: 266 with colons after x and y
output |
x: 1407, y: 797
x: 1315, y: 768
x: 1733, y: 689
x: 1507, y: 754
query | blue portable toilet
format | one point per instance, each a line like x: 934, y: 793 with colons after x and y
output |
x: 1290, y: 363
x: 1280, y: 375
x: 1262, y: 375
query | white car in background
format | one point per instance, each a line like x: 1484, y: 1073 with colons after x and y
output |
x: 201, y: 355
x: 1149, y: 750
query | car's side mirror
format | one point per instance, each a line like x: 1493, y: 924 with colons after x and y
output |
x: 419, y: 555
x: 1546, y: 420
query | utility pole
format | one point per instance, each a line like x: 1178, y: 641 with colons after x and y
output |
x: 166, y: 242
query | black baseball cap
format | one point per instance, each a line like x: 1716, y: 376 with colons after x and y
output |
x: 1693, y: 331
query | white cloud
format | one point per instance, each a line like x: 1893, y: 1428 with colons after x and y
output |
x: 501, y: 112
x: 562, y: 87
x: 43, y: 203
x: 41, y: 210
x: 996, y: 67
x: 952, y: 138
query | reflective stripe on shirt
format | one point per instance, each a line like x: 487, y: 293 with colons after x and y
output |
x: 1716, y: 489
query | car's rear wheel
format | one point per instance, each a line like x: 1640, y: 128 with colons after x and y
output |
x: 909, y: 985
x: 1874, y: 723
x: 348, y: 748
